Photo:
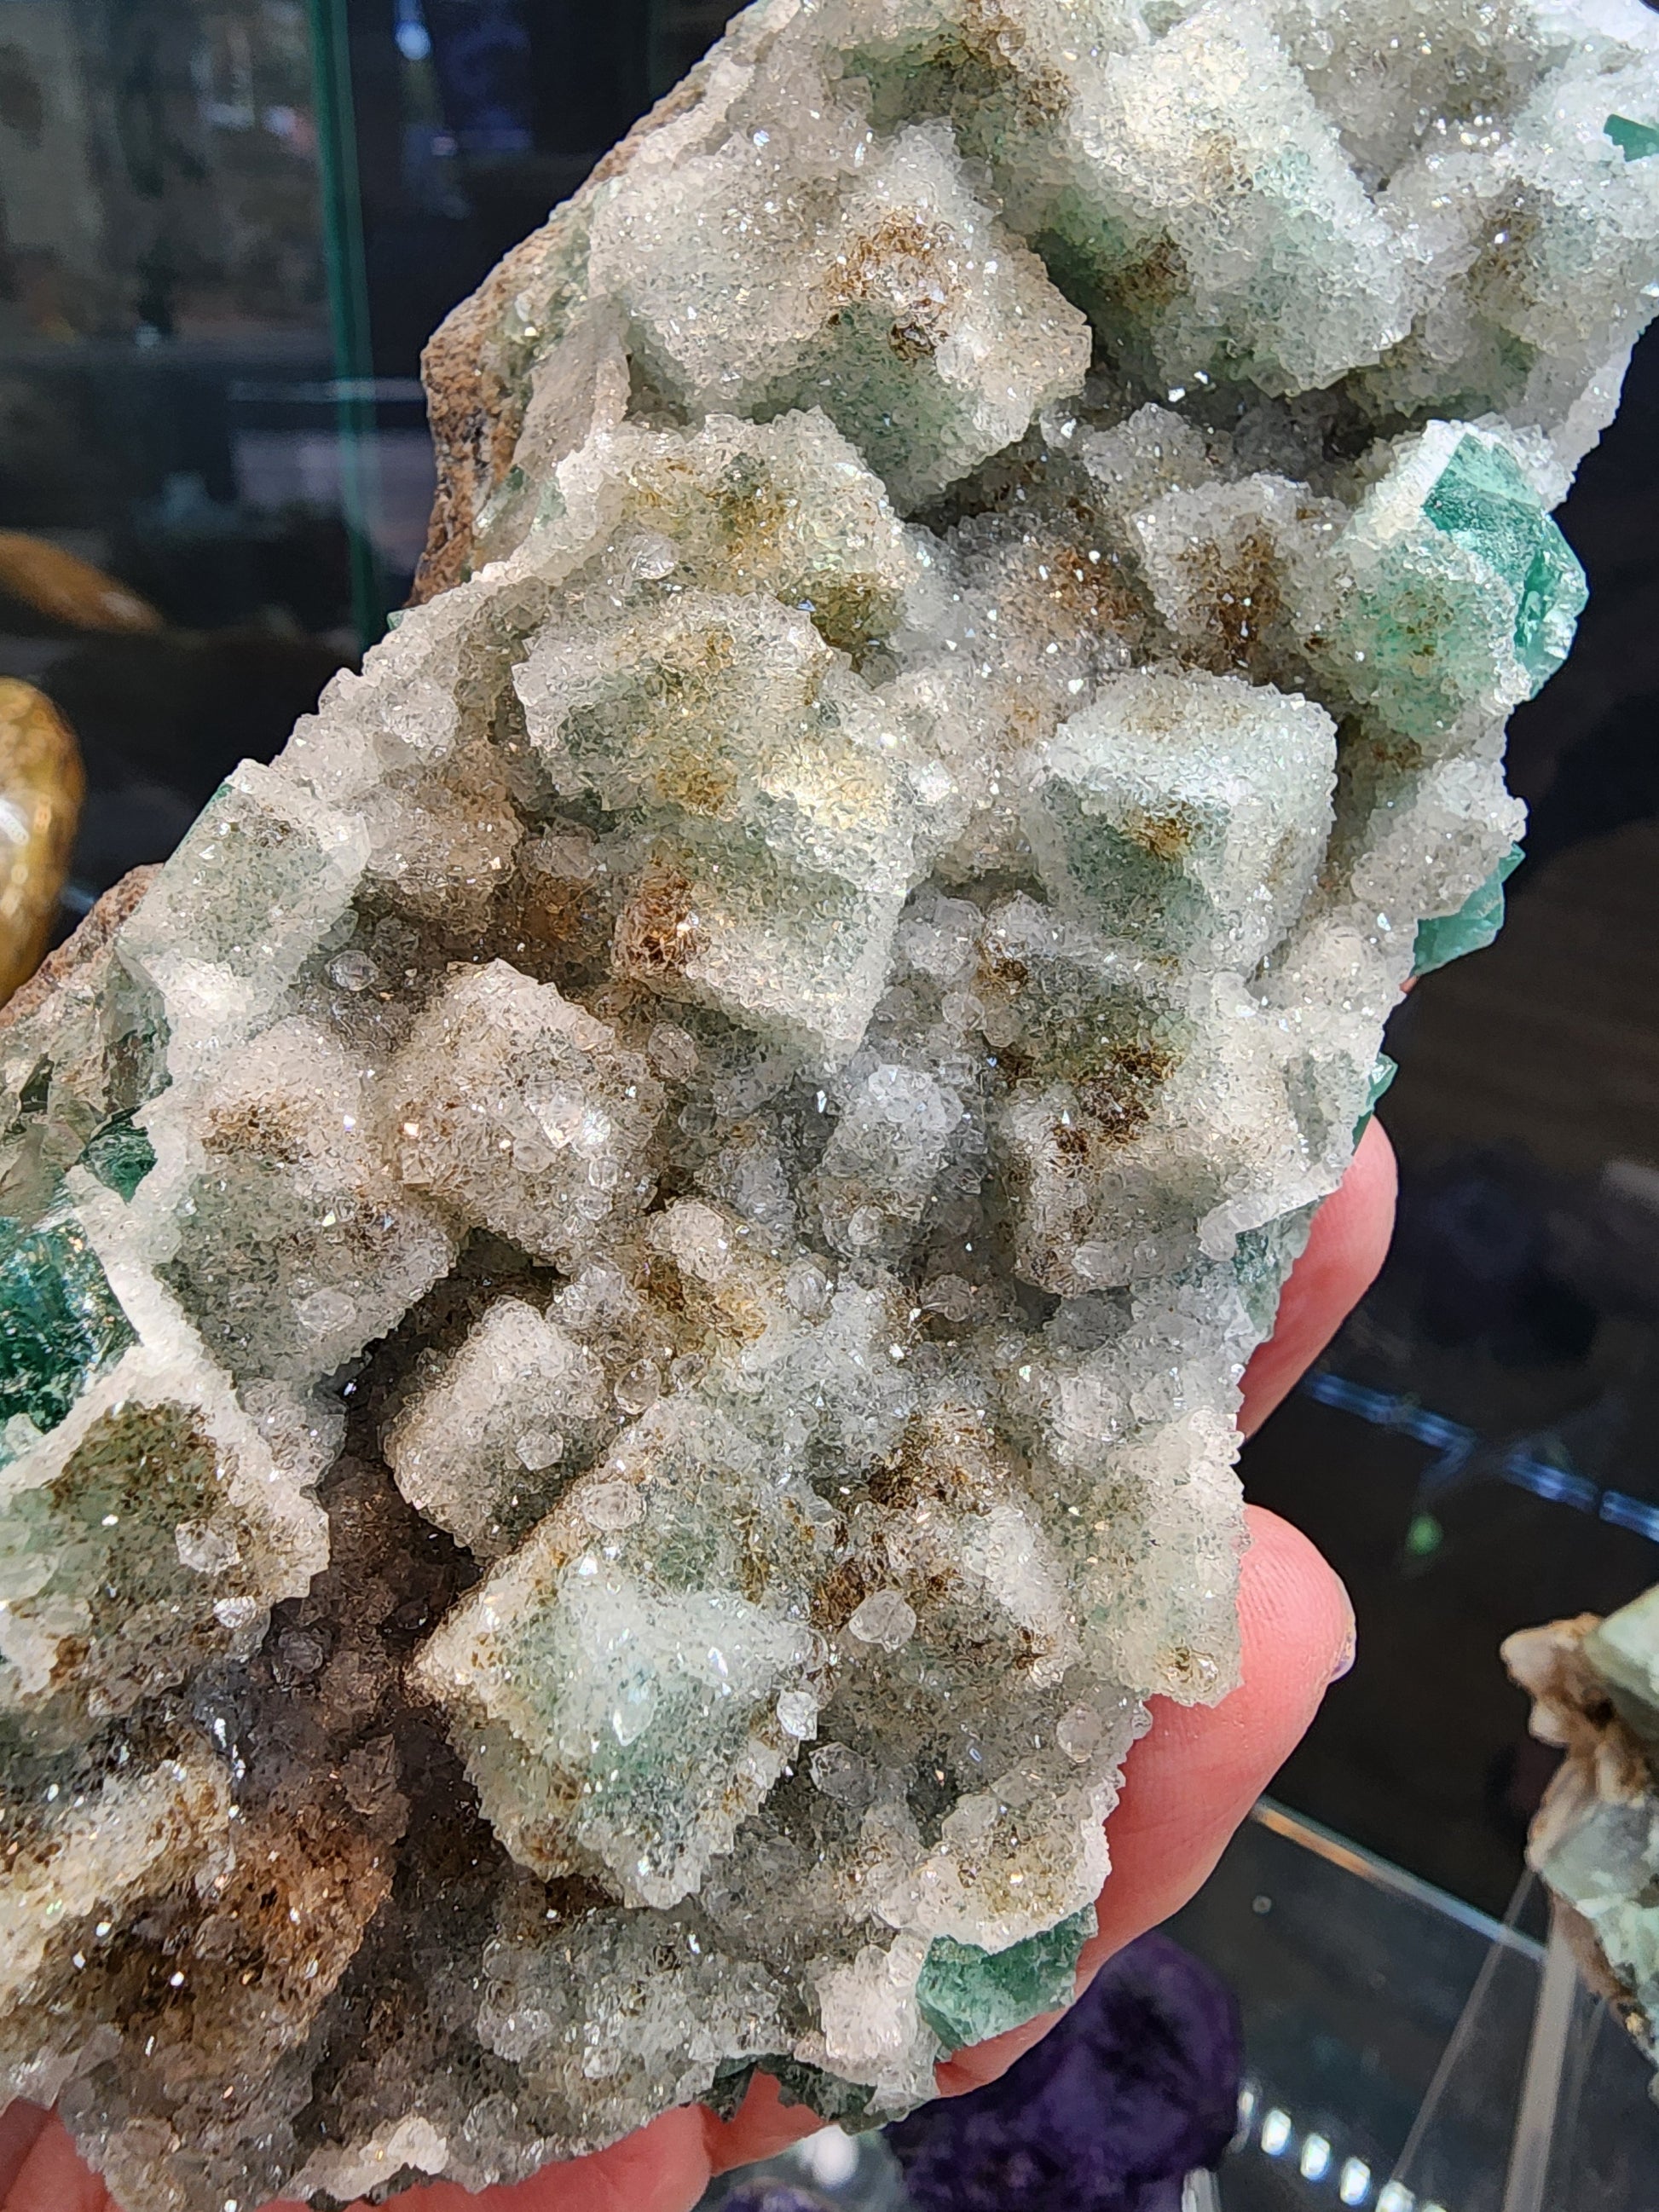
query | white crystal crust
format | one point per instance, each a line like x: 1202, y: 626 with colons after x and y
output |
x: 627, y: 1286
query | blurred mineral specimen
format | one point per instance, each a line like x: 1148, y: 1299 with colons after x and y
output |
x: 41, y: 786
x: 66, y: 589
x: 627, y: 1283
x: 1596, y: 1840
x: 770, y: 2195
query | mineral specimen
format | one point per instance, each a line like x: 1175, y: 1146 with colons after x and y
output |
x: 41, y: 786
x: 1135, y: 2088
x: 1596, y: 1840
x: 772, y: 2196
x: 626, y: 1282
x: 67, y: 589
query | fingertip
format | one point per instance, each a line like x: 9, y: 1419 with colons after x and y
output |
x: 21, y: 2125
x: 1193, y: 1778
x: 762, y: 2126
x: 663, y: 2167
x: 1296, y: 1624
x: 1345, y: 1248
x: 52, y: 2177
x: 1375, y: 1171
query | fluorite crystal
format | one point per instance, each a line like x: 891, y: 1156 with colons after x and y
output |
x: 1594, y: 1685
x: 1133, y: 2090
x: 627, y: 1278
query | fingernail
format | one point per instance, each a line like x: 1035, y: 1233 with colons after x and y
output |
x: 1343, y: 1663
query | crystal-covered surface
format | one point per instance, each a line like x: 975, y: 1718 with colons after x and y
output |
x: 626, y: 1283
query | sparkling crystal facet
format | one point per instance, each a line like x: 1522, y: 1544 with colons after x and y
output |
x: 625, y: 1283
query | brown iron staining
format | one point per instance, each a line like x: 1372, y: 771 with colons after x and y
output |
x: 978, y: 69
x: 948, y: 1457
x: 853, y: 614
x: 685, y: 687
x: 949, y: 1464
x: 1116, y: 1099
x: 274, y: 1128
x: 901, y: 266
x: 288, y: 1920
x: 1166, y: 837
x: 243, y: 1966
x: 323, y: 1811
x: 840, y: 1594
x: 1237, y: 603
x: 888, y: 255
x: 477, y: 387
x: 698, y: 784
x: 140, y: 1470
x: 1151, y: 283
x: 1192, y: 1675
x: 751, y: 513
x: 1065, y: 586
x: 1397, y: 756
x: 992, y: 43
x: 746, y: 508
x: 559, y: 927
x: 1510, y: 265
x: 914, y: 337
x: 81, y: 960
x: 1223, y: 170
x: 1002, y: 970
x: 674, y: 704
x: 657, y: 932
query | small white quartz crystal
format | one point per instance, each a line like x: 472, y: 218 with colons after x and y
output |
x: 622, y: 1291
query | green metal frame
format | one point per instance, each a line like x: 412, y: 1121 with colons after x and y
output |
x: 348, y: 312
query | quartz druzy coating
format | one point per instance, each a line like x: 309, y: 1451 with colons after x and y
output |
x: 626, y: 1282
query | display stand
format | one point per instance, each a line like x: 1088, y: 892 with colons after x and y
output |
x: 1540, y: 2058
x: 1407, y: 2053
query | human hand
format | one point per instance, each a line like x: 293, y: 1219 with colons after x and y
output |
x: 1190, y: 1781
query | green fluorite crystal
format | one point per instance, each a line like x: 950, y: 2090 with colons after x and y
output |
x: 1447, y: 937
x: 1635, y: 141
x: 1262, y: 1260
x: 629, y: 1279
x: 966, y: 1995
x: 1382, y: 1075
x: 120, y: 1156
x: 1483, y: 500
x: 1456, y: 591
x: 60, y: 1325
